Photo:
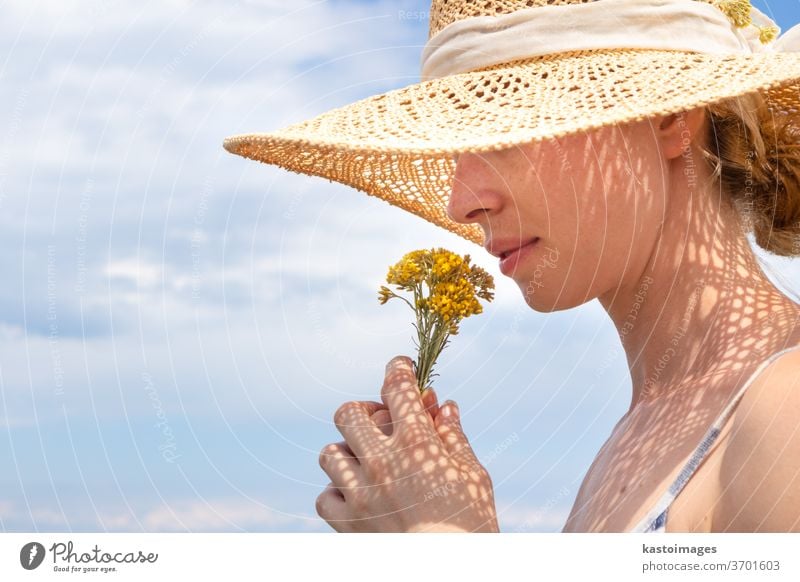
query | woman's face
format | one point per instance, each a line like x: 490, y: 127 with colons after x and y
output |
x: 595, y: 200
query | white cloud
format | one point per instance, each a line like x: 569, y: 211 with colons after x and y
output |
x: 141, y: 96
x: 138, y: 271
x: 193, y: 515
x: 225, y: 514
x: 131, y: 102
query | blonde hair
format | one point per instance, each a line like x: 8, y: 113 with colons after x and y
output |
x: 754, y: 154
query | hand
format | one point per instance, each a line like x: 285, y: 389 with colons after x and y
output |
x: 405, y: 465
x: 383, y: 419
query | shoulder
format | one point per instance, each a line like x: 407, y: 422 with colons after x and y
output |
x: 759, y: 472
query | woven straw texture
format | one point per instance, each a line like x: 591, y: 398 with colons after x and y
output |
x: 399, y: 146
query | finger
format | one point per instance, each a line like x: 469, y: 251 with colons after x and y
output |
x: 353, y: 419
x: 372, y: 406
x: 448, y: 427
x: 384, y: 421
x: 430, y: 401
x: 332, y: 507
x: 335, y: 453
x: 344, y: 469
x: 379, y: 412
x: 401, y: 395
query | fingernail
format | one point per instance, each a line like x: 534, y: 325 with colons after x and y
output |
x: 399, y: 361
x: 450, y: 410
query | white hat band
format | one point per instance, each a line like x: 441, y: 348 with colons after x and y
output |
x: 685, y: 25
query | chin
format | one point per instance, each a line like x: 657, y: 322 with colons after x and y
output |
x: 546, y: 299
x: 537, y: 298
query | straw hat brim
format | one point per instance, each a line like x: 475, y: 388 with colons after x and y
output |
x: 399, y: 146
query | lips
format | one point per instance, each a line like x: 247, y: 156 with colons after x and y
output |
x: 511, y: 259
x: 501, y: 248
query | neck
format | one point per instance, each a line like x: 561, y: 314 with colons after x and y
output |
x: 699, y: 298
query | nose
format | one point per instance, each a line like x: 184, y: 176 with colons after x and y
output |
x: 475, y: 194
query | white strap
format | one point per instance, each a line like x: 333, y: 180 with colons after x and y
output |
x: 686, y: 25
x: 705, y: 445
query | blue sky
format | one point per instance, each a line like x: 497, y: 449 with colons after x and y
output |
x: 178, y: 325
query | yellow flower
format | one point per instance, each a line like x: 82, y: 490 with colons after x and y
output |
x: 738, y: 11
x: 384, y: 294
x: 455, y: 300
x: 766, y: 34
x: 483, y: 282
x: 408, y: 272
x: 454, y: 287
x: 446, y: 264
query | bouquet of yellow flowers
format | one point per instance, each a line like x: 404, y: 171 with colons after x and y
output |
x: 453, y: 289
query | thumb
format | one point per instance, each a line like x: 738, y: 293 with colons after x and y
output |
x: 448, y: 426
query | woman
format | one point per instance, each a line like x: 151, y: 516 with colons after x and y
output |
x: 639, y: 162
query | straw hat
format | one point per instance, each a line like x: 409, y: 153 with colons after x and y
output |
x: 499, y: 73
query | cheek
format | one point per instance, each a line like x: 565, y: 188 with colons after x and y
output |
x: 600, y: 210
x: 620, y: 219
x: 595, y: 205
x: 603, y: 216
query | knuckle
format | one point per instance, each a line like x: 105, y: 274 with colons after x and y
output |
x: 472, y: 467
x: 481, y: 474
x: 398, y: 380
x: 479, y: 471
x: 343, y: 412
x: 326, y: 454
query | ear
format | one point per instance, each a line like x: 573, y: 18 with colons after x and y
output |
x: 679, y: 131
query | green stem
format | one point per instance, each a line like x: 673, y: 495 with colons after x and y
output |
x: 403, y: 298
x: 434, y: 344
x: 424, y: 324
